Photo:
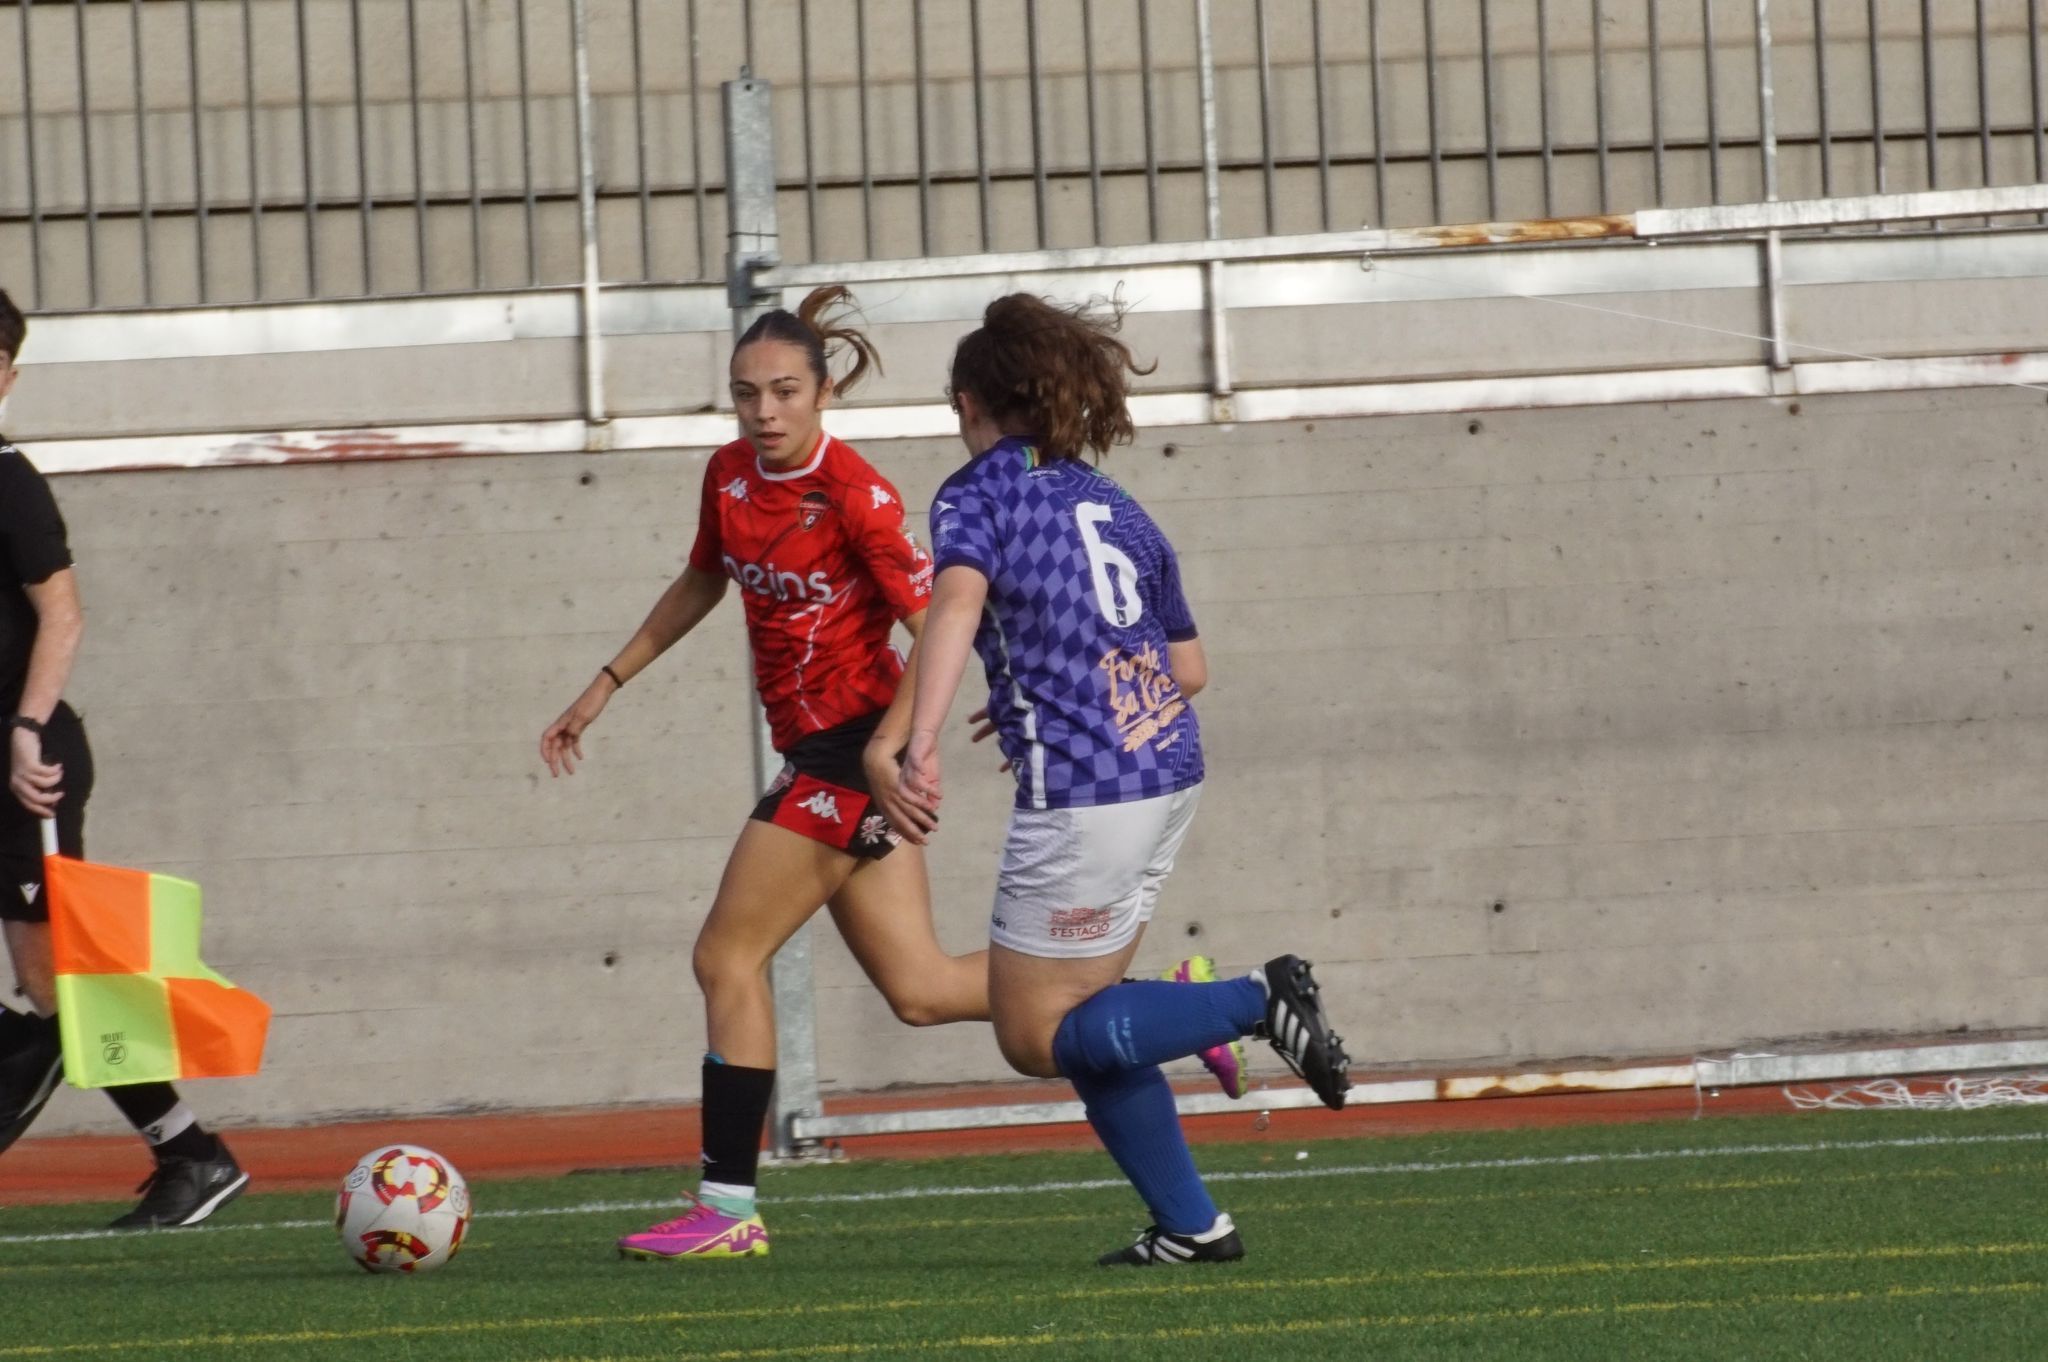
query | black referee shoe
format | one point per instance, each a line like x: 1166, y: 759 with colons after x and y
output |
x: 1157, y: 1248
x: 1299, y: 1031
x: 31, y: 1062
x: 184, y: 1192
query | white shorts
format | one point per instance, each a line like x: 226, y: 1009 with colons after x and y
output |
x: 1081, y: 882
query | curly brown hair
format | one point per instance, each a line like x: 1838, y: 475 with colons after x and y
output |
x: 819, y: 328
x: 1056, y: 370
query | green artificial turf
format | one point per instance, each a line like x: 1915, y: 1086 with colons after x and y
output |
x: 1828, y: 1236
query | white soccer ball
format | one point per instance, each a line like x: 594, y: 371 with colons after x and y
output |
x: 402, y: 1209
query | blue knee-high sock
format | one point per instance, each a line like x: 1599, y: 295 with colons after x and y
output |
x: 1144, y: 1022
x: 1132, y: 1112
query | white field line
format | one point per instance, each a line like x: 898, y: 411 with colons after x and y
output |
x: 1626, y: 1156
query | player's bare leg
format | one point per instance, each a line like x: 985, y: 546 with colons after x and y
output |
x: 774, y: 881
x: 884, y: 913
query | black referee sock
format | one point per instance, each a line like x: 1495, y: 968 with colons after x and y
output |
x: 735, y: 1110
x: 170, y: 1127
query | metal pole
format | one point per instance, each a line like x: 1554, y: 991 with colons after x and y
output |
x: 867, y: 172
x: 1767, y: 138
x: 198, y: 149
x: 1927, y: 93
x: 526, y: 146
x: 981, y: 120
x: 28, y: 135
x: 753, y: 244
x: 1094, y: 142
x: 1876, y: 98
x: 255, y: 178
x: 419, y: 173
x: 306, y: 157
x: 142, y: 152
x: 355, y: 37
x: 1486, y: 110
x: 1315, y: 16
x: 2034, y: 84
x: 1151, y: 146
x: 1034, y: 78
x: 646, y: 190
x: 1543, y: 102
x: 697, y: 149
x: 1436, y: 150
x: 1379, y: 121
x: 924, y: 166
x: 803, y: 49
x: 586, y: 214
x: 1266, y: 115
x: 1656, y: 103
x: 1212, y: 197
x: 1205, y: 74
x: 1820, y: 79
x: 476, y: 193
x: 1983, y: 102
x: 1600, y: 97
x: 92, y: 217
x: 1713, y: 101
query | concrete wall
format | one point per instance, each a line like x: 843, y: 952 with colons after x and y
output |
x: 1592, y: 732
x: 255, y: 120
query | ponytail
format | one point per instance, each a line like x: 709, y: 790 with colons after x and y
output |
x: 820, y: 329
x: 1057, y: 371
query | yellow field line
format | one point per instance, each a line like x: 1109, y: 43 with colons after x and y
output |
x: 1208, y: 1284
x: 1533, y: 1314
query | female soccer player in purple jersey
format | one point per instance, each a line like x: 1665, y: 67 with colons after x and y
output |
x: 1072, y: 597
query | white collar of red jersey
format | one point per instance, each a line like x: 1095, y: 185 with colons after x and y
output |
x: 817, y: 458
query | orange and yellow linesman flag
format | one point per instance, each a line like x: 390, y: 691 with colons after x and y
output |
x: 138, y: 1004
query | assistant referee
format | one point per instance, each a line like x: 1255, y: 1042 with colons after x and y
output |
x: 49, y: 775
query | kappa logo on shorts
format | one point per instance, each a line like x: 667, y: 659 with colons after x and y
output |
x: 875, y: 828
x: 29, y: 892
x: 822, y: 805
x: 1078, y: 924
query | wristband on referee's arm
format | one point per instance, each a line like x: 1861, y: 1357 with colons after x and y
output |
x: 618, y: 682
x: 34, y: 726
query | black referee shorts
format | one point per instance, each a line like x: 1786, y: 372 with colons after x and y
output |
x: 22, y: 898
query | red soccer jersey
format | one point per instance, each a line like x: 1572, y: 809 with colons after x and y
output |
x: 825, y: 567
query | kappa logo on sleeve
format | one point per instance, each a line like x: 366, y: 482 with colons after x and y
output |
x: 881, y: 494
x: 736, y: 489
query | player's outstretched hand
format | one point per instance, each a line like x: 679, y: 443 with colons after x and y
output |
x: 561, y: 746
x: 35, y: 783
x: 913, y: 819
x: 985, y: 727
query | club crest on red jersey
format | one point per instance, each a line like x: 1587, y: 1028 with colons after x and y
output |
x: 811, y: 508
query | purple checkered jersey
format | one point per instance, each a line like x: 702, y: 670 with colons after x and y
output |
x: 1084, y: 595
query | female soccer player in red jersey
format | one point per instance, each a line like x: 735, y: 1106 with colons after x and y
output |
x: 815, y: 539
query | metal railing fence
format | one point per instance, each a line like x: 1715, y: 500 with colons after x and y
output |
x: 168, y: 152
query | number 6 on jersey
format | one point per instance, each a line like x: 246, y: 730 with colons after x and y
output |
x: 1116, y: 576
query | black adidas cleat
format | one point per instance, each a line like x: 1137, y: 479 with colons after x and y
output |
x: 1157, y: 1248
x: 31, y: 1062
x: 183, y: 1192
x: 1299, y: 1031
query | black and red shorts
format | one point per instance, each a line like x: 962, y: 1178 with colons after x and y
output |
x: 822, y: 792
x: 22, y: 897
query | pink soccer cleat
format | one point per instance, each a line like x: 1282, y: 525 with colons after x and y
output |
x: 701, y: 1232
x: 1225, y: 1061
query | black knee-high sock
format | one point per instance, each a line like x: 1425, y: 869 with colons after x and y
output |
x: 735, y: 1110
x: 168, y: 1124
x: 29, y: 1052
